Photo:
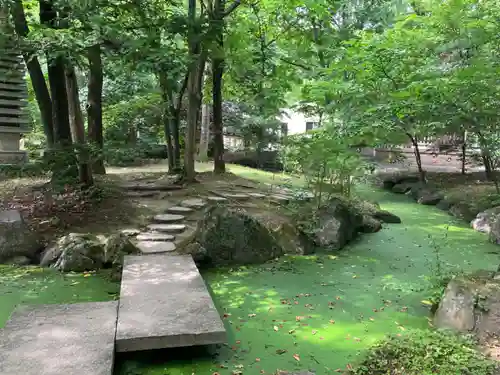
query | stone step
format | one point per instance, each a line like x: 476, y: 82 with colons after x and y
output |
x: 167, y: 228
x: 194, y: 203
x: 14, y: 120
x: 11, y: 87
x: 148, y: 186
x: 216, y: 199
x: 156, y: 247
x: 148, y: 236
x: 257, y: 195
x: 13, y: 94
x: 10, y: 111
x: 168, y: 218
x: 236, y: 196
x: 164, y: 303
x: 59, y: 339
x: 179, y: 210
x: 15, y: 103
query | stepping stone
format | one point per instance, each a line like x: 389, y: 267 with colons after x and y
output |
x: 130, y: 232
x: 59, y: 339
x: 168, y: 218
x: 167, y: 228
x: 216, y: 199
x: 257, y: 195
x: 193, y: 203
x: 238, y: 196
x: 155, y: 247
x: 145, y: 186
x: 280, y: 198
x: 164, y: 303
x: 148, y: 236
x: 179, y: 210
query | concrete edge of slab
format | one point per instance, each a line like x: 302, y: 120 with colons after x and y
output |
x: 163, y: 342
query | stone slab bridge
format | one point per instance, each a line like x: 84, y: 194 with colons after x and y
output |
x: 164, y: 303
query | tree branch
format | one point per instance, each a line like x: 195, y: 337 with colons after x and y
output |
x: 231, y: 8
x: 299, y: 65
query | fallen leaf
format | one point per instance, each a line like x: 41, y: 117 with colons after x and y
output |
x: 372, y: 320
x: 262, y: 372
x: 257, y: 359
x: 298, y: 318
x: 238, y: 366
x: 281, y: 351
x: 226, y: 315
x: 87, y: 275
x: 238, y: 342
x: 354, y: 276
x: 296, y: 357
x: 276, y: 328
x: 291, y: 331
x: 314, y: 332
x: 349, y: 367
x: 251, y: 315
x: 332, y: 321
x: 426, y: 302
x: 216, y: 373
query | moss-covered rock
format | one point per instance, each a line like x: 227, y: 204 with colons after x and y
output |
x: 237, y: 236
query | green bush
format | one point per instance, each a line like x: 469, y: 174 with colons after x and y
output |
x: 35, y: 169
x: 422, y: 352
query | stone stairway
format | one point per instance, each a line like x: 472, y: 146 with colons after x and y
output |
x: 164, y: 303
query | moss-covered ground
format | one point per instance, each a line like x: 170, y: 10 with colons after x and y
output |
x: 317, y: 312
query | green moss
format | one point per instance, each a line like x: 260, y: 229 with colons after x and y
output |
x: 34, y: 285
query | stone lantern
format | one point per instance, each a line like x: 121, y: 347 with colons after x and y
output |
x: 13, y: 94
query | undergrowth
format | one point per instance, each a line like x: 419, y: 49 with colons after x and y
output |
x: 424, y: 353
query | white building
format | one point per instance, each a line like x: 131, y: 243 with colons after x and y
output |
x: 298, y: 122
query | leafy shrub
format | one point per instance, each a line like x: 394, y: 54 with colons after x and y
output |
x: 424, y: 353
x: 36, y: 169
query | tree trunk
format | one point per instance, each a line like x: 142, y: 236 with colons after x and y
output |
x: 217, y: 73
x: 204, y: 133
x: 63, y: 161
x: 418, y: 158
x: 35, y: 71
x: 94, y: 107
x: 78, y: 127
x: 168, y: 118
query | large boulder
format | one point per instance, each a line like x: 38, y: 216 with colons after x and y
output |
x: 84, y: 252
x: 389, y: 181
x: 484, y: 220
x: 402, y: 188
x: 429, y: 197
x: 462, y: 211
x: 335, y: 224
x: 75, y: 252
x: 236, y: 236
x: 471, y: 305
x: 16, y: 238
x: 386, y: 217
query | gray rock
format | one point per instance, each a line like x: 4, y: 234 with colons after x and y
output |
x: 429, y: 197
x: 370, y: 224
x: 130, y: 232
x: 236, y: 196
x: 75, y: 252
x: 155, y: 247
x: 399, y: 178
x: 179, y: 210
x: 444, y: 205
x: 216, y: 199
x: 59, y: 339
x: 164, y: 303
x: 235, y: 236
x: 387, y: 217
x: 402, y: 188
x: 16, y: 238
x: 168, y: 218
x: 456, y: 309
x: 484, y: 220
x: 148, y: 236
x: 116, y: 247
x: 194, y: 203
x: 198, y: 252
x: 167, y: 228
x: 337, y: 223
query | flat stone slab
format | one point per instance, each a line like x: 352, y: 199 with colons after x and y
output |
x: 179, y: 210
x: 237, y: 196
x: 167, y: 228
x: 164, y: 303
x: 71, y: 339
x: 155, y: 247
x: 130, y: 232
x: 257, y: 195
x: 216, y: 199
x: 193, y: 203
x: 148, y: 236
x: 168, y: 218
